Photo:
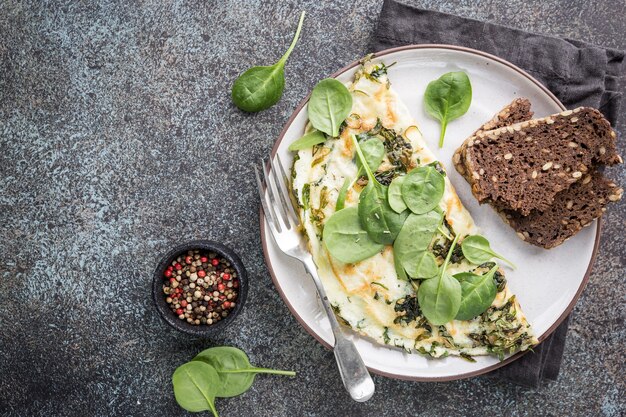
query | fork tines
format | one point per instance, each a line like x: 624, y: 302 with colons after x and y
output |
x: 279, y: 211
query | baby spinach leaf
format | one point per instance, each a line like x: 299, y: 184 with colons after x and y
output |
x: 440, y: 297
x: 346, y: 240
x: 261, y: 87
x: 195, y: 386
x: 309, y: 140
x: 477, y: 250
x: 329, y: 105
x: 233, y: 367
x: 374, y: 152
x: 343, y: 192
x: 477, y: 293
x: 424, y: 265
x: 411, y: 245
x: 400, y: 271
x: 396, y: 202
x: 422, y: 189
x: 448, y: 98
x: 381, y: 222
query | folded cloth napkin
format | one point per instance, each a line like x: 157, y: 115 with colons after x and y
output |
x: 579, y: 74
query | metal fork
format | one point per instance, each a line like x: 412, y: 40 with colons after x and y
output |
x: 283, y: 223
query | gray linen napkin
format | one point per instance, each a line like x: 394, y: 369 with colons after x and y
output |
x: 579, y: 74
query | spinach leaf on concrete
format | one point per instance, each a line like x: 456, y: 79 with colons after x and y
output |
x: 261, y: 87
x: 195, y: 387
x: 235, y: 372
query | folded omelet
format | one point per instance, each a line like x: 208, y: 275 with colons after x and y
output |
x: 369, y: 296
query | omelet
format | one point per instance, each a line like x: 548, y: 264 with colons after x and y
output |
x: 369, y: 296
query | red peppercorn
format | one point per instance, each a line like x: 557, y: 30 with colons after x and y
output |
x: 167, y: 273
x: 226, y: 276
x: 179, y: 290
x: 226, y: 304
x: 172, y: 280
x: 201, y: 273
x: 222, y: 297
x: 204, y: 259
x: 178, y: 266
x: 170, y: 268
x: 221, y: 287
x: 179, y: 311
x: 215, y: 262
x: 183, y: 303
x: 188, y: 259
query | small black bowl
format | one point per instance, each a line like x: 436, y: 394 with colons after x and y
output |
x: 168, y: 315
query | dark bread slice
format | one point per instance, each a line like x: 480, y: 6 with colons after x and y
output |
x: 523, y: 166
x: 516, y: 111
x: 573, y: 209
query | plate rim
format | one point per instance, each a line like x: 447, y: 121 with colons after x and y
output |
x: 377, y: 371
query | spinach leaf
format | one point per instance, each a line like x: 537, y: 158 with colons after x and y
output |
x: 448, y: 98
x: 377, y: 217
x: 422, y: 189
x: 195, y: 386
x: 477, y: 293
x: 411, y: 245
x: 396, y: 202
x: 374, y: 152
x: 329, y: 105
x: 440, y: 297
x: 346, y: 240
x: 309, y: 140
x: 233, y: 367
x: 343, y: 192
x: 477, y: 250
x: 381, y: 222
x: 400, y: 271
x: 261, y: 87
x: 424, y: 265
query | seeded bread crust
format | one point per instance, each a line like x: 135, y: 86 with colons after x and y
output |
x: 523, y: 166
x: 573, y: 209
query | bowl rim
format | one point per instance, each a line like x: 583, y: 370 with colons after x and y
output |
x: 158, y: 279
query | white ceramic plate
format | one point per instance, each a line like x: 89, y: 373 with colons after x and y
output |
x: 547, y: 282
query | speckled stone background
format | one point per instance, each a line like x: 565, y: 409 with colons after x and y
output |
x: 118, y: 139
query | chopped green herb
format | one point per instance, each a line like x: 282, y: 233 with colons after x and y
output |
x: 379, y: 284
x: 386, y: 338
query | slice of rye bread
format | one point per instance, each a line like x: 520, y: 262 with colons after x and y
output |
x: 523, y: 166
x: 573, y: 209
x: 516, y: 111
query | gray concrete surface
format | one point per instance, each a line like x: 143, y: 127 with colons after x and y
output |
x: 118, y: 139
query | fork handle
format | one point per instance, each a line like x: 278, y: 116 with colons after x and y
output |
x: 355, y: 376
